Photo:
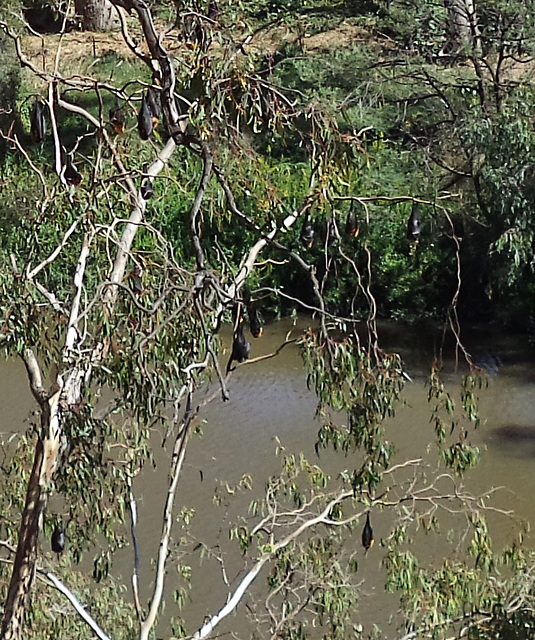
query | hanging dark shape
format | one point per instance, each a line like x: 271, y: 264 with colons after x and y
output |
x: 240, y: 347
x: 197, y: 35
x: 331, y: 232
x: 117, y: 118
x: 144, y: 119
x: 146, y: 189
x: 155, y: 106
x: 57, y: 541
x: 46, y: 19
x: 352, y: 228
x: 70, y: 173
x: 213, y: 10
x: 307, y: 234
x: 38, y: 122
x: 255, y: 321
x: 414, y: 227
x: 367, y: 534
x: 135, y: 277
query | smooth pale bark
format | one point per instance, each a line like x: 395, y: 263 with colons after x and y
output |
x: 462, y: 26
x: 97, y: 15
x: 49, y: 443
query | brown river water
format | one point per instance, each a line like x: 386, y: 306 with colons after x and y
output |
x: 270, y: 400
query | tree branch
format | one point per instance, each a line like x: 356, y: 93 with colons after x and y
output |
x: 131, y: 227
x: 206, y: 155
x: 73, y: 333
x: 250, y: 576
x: 78, y: 607
x: 133, y: 531
x: 35, y: 377
x: 179, y: 453
x: 31, y: 274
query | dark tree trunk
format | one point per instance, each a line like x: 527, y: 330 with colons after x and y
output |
x: 97, y: 15
x: 25, y: 558
x: 46, y: 456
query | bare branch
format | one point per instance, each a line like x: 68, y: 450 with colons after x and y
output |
x: 35, y: 377
x: 250, y: 576
x: 34, y: 168
x: 73, y: 333
x: 179, y: 453
x: 78, y: 607
x: 206, y: 155
x: 133, y: 529
x: 31, y: 274
x: 136, y: 216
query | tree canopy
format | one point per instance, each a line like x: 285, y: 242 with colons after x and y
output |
x: 232, y: 162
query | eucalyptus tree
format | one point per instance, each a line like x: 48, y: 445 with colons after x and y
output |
x: 463, y: 25
x: 466, y: 109
x: 97, y: 15
x: 122, y: 260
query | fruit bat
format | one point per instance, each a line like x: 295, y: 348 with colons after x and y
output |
x: 38, y: 122
x: 144, y: 119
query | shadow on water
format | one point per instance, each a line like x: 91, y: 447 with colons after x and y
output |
x: 516, y: 433
x: 517, y: 439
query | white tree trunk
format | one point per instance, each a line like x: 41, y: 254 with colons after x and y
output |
x: 462, y: 26
x: 97, y: 15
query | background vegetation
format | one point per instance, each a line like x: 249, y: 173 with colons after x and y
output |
x: 320, y: 108
x: 397, y: 117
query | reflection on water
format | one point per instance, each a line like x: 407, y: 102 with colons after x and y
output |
x: 269, y: 400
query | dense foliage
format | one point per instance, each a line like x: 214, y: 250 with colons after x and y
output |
x: 351, y: 159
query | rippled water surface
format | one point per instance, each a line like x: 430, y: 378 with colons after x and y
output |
x: 270, y: 400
